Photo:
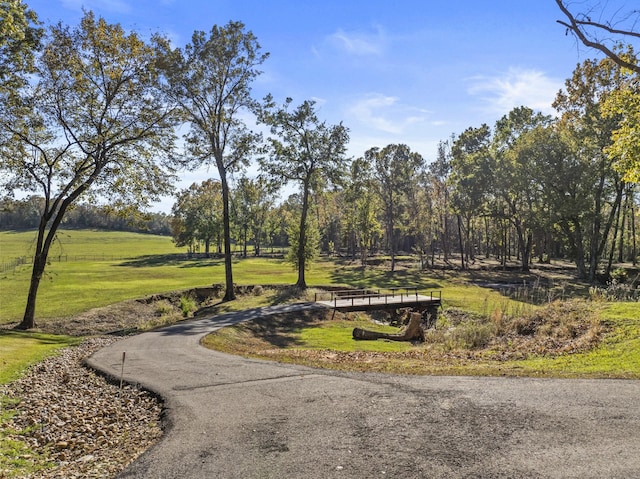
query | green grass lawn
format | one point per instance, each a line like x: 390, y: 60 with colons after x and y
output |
x: 329, y: 344
x: 18, y: 350
x: 71, y: 243
x: 101, y: 268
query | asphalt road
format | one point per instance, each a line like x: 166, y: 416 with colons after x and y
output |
x: 230, y: 417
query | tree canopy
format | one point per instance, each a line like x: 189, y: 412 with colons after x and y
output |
x: 92, y: 122
x: 210, y: 81
x: 306, y: 151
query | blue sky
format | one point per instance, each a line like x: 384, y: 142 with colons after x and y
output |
x: 399, y: 71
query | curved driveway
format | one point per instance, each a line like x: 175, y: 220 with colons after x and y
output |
x: 230, y: 417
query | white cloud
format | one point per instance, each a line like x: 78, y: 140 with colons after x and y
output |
x: 385, y: 113
x: 359, y: 43
x: 517, y: 87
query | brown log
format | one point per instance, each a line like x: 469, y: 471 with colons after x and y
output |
x: 412, y: 332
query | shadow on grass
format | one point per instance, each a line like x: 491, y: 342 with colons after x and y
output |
x: 360, y: 277
x: 279, y: 329
x: 41, y: 338
x: 179, y: 260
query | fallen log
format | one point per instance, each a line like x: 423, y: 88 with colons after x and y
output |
x: 413, y: 332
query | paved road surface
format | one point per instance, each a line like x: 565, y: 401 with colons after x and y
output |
x: 236, y: 418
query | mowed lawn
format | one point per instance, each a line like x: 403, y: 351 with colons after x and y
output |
x: 98, y: 268
x: 104, y: 267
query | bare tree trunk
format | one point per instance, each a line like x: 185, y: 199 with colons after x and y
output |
x: 28, y: 320
x: 51, y: 214
x: 634, y: 249
x: 613, y: 245
x: 413, y: 331
x: 229, y: 294
x: 302, y: 237
x: 461, y: 242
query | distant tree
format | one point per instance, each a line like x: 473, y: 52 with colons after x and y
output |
x: 515, y: 175
x: 420, y: 217
x: 394, y: 167
x: 277, y: 221
x: 471, y: 183
x: 20, y: 214
x: 91, y: 121
x: 210, y: 79
x: 594, y: 30
x: 439, y: 172
x: 197, y: 215
x: 306, y: 151
x: 361, y: 206
x: 252, y: 200
x: 589, y: 133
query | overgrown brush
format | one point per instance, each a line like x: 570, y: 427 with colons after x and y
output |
x: 557, y: 328
x: 615, y: 291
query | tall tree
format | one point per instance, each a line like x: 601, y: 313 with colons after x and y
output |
x: 515, y: 174
x: 395, y: 168
x: 613, y: 30
x: 306, y: 151
x: 623, y: 103
x: 580, y: 105
x: 92, y: 121
x: 471, y: 182
x: 210, y: 79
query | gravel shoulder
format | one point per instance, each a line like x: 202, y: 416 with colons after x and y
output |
x: 85, y: 426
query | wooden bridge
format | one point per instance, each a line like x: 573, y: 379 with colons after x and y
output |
x: 371, y: 300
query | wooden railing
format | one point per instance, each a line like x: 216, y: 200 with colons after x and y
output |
x: 360, y: 296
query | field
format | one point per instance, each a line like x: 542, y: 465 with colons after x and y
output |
x: 93, y: 269
x: 90, y: 269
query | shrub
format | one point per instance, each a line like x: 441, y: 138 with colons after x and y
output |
x: 473, y: 335
x: 619, y: 275
x: 187, y: 306
x: 164, y: 308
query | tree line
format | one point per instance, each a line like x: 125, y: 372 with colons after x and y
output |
x: 91, y: 112
x: 22, y: 214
